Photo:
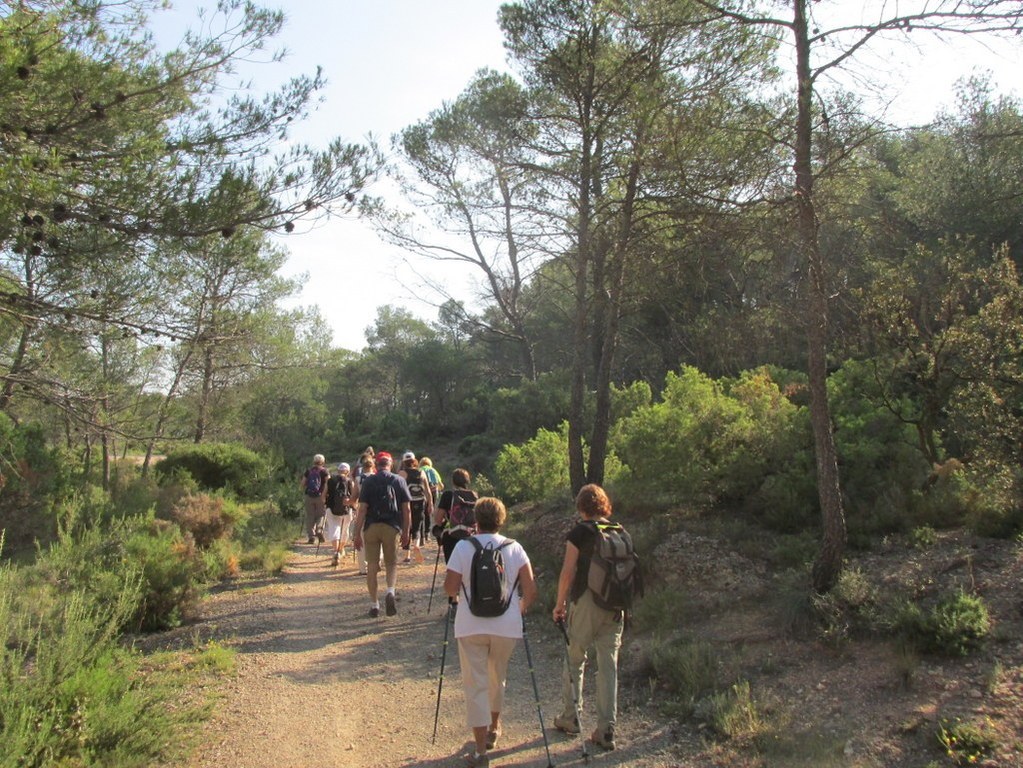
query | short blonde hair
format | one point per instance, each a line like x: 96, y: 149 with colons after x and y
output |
x: 318, y: 459
x: 490, y: 514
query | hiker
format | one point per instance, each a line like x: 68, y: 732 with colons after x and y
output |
x: 421, y: 505
x: 587, y: 624
x: 384, y: 514
x: 433, y: 478
x: 341, y: 501
x: 485, y: 643
x: 314, y: 490
x: 452, y: 521
x: 367, y: 467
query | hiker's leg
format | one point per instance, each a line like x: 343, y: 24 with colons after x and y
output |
x: 389, y: 541
x: 371, y: 543
x: 608, y: 640
x: 501, y: 649
x: 580, y: 635
x: 472, y: 657
x: 311, y: 516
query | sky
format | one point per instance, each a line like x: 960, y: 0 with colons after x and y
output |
x: 389, y: 63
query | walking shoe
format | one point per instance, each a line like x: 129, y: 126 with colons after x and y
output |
x: 605, y: 738
x: 492, y: 738
x: 479, y: 761
x: 311, y: 540
x: 569, y: 725
x: 336, y: 560
x: 389, y: 602
x: 374, y: 612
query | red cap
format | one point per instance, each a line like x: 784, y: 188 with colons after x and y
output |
x: 383, y: 456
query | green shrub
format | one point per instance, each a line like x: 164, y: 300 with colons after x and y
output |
x: 732, y: 713
x: 881, y: 461
x: 956, y: 625
x: 218, y: 466
x: 706, y: 441
x: 171, y: 576
x: 966, y: 743
x: 33, y: 484
x: 688, y: 669
x: 536, y: 469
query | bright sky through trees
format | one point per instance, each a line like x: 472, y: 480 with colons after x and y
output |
x: 390, y: 62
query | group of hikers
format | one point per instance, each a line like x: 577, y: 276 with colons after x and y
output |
x: 489, y: 575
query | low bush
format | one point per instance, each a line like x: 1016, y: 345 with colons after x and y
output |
x: 956, y: 625
x: 205, y: 518
x: 218, y: 466
x: 688, y: 669
x: 965, y: 743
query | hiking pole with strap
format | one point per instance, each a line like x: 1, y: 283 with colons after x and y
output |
x: 536, y: 693
x: 443, y: 658
x: 436, y: 565
x: 575, y: 696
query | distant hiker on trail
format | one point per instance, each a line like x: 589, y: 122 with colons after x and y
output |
x: 314, y: 491
x: 341, y: 500
x: 422, y: 504
x: 384, y: 514
x: 368, y: 453
x: 454, y: 519
x: 588, y: 624
x: 433, y: 478
x: 489, y: 622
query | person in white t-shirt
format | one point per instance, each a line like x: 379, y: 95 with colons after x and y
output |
x: 485, y: 645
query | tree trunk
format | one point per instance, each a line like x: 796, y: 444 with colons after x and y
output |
x: 828, y: 565
x: 609, y: 334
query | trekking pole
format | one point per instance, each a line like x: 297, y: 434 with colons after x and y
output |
x: 575, y: 698
x: 440, y: 682
x: 536, y: 693
x: 434, y: 584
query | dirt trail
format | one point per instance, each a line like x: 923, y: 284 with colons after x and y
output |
x: 320, y: 683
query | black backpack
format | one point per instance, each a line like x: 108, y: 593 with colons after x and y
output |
x: 462, y: 513
x: 488, y: 594
x: 339, y: 490
x: 614, y: 577
x: 414, y: 480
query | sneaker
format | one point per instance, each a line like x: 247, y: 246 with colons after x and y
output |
x: 569, y: 725
x: 391, y: 607
x: 479, y: 761
x: 374, y: 612
x: 605, y: 738
x: 311, y: 540
x: 336, y: 560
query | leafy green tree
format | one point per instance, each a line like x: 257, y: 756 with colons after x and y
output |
x: 614, y: 87
x: 820, y: 48
x: 116, y: 152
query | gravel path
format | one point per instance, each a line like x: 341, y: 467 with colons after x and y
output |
x: 320, y: 683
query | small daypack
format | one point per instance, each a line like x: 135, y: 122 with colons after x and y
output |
x: 488, y: 594
x: 614, y: 577
x: 314, y: 481
x: 416, y: 489
x: 339, y: 490
x: 462, y: 513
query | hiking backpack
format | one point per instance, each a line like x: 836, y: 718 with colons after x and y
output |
x: 339, y: 490
x: 462, y: 513
x: 414, y: 480
x: 489, y: 594
x: 614, y: 577
x: 314, y: 481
